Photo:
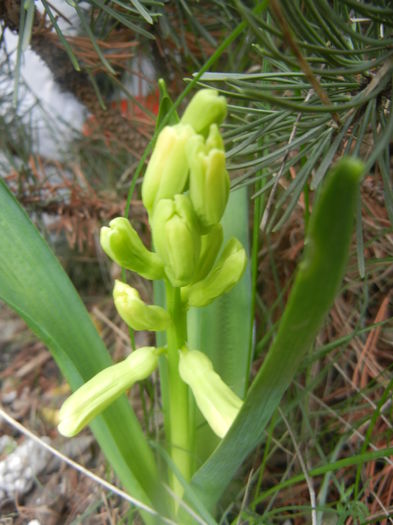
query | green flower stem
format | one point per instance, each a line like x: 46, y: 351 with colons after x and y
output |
x: 180, y: 425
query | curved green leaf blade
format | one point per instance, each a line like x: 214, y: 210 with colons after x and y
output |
x: 222, y: 329
x: 34, y: 284
x: 316, y: 284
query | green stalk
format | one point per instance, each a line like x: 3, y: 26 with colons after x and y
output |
x: 178, y: 412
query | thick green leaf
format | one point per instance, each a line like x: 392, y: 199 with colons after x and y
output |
x: 316, y: 284
x: 222, y: 329
x: 34, y: 284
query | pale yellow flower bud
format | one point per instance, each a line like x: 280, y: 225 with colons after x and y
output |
x: 206, y: 108
x: 135, y: 312
x: 218, y: 404
x: 209, y: 180
x: 222, y: 278
x: 176, y: 238
x: 210, y: 246
x: 102, y: 389
x: 123, y: 245
x: 167, y: 171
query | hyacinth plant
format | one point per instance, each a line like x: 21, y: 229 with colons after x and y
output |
x: 185, y: 191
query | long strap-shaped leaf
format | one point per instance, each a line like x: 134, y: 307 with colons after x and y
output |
x: 34, y: 284
x: 316, y: 284
x: 222, y: 329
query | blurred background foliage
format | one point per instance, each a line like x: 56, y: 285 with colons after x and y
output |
x: 307, y: 81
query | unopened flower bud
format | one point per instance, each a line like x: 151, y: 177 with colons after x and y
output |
x: 102, y: 389
x: 224, y: 275
x: 209, y: 180
x: 167, y: 171
x: 205, y: 108
x: 210, y: 246
x: 176, y: 238
x: 135, y: 312
x: 123, y: 245
x: 214, y: 139
x: 218, y: 404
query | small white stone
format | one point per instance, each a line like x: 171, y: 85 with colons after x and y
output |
x: 5, y: 442
x: 23, y: 485
x: 9, y: 397
x: 15, y: 462
x: 9, y: 479
x: 19, y: 469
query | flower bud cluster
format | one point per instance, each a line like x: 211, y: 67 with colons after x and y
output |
x: 185, y: 191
